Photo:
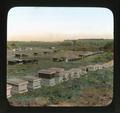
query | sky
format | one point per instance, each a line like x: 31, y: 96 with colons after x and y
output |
x: 58, y: 23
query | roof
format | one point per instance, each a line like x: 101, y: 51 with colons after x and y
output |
x: 85, y: 53
x: 67, y: 54
x: 47, y: 71
x: 16, y: 81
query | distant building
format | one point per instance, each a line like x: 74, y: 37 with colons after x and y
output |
x: 66, y: 56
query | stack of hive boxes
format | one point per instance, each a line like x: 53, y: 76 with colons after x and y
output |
x: 18, y: 85
x: 33, y: 82
x: 58, y: 75
x: 47, y: 77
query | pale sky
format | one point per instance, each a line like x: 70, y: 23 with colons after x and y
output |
x: 58, y: 23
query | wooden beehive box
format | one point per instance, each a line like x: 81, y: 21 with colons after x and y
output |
x: 47, y: 77
x: 75, y: 73
x: 83, y: 70
x: 48, y: 82
x: 66, y: 75
x: 18, y: 85
x: 91, y: 68
x: 58, y: 75
x: 9, y: 87
x: 33, y: 82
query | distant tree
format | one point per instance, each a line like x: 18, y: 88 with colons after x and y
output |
x: 13, y: 45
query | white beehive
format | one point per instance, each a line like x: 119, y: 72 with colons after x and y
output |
x: 33, y: 82
x: 18, y: 85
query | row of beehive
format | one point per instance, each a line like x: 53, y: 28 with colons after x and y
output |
x: 48, y: 77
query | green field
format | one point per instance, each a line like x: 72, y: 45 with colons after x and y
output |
x: 91, y: 90
x: 94, y: 90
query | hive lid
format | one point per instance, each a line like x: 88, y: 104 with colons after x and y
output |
x: 16, y: 81
x: 56, y: 69
x: 31, y: 78
x: 47, y: 71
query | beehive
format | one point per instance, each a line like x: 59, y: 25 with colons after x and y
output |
x: 83, y: 70
x: 9, y: 90
x: 58, y: 75
x: 66, y: 75
x: 91, y: 68
x: 47, y: 77
x: 33, y: 82
x: 48, y: 82
x: 98, y: 66
x: 75, y: 73
x: 18, y: 85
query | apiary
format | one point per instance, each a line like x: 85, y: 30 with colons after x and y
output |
x: 18, y: 85
x: 33, y: 82
x: 48, y: 82
x: 9, y: 87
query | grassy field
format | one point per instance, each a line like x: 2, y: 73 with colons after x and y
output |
x: 46, y: 62
x: 96, y: 90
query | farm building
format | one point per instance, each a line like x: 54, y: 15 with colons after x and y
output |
x: 46, y: 51
x: 58, y: 75
x: 83, y: 54
x: 23, y: 55
x: 26, y: 61
x: 47, y: 77
x: 66, y: 56
x: 33, y: 82
x: 15, y: 61
x: 18, y: 85
x: 9, y: 87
